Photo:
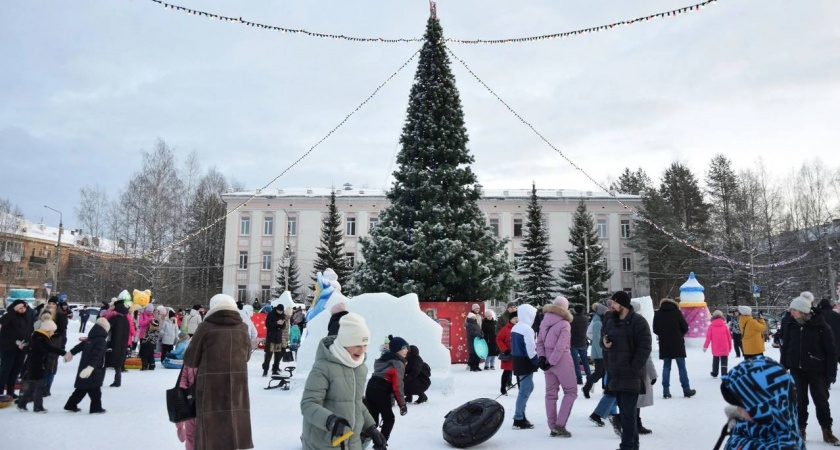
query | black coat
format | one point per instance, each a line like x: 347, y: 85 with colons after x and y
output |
x: 626, y: 359
x: 810, y: 346
x: 417, y: 373
x: 93, y: 352
x: 488, y: 328
x: 473, y: 331
x: 36, y: 360
x: 274, y: 332
x: 15, y: 327
x: 578, y: 333
x: 61, y: 326
x: 832, y: 318
x: 670, y: 326
x: 118, y: 344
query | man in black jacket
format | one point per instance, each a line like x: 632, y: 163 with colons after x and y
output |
x: 578, y: 343
x: 118, y: 344
x: 15, y: 332
x: 276, y: 329
x: 627, y: 342
x: 670, y: 327
x: 832, y: 318
x: 809, y: 352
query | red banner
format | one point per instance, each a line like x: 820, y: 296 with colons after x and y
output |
x: 451, y: 316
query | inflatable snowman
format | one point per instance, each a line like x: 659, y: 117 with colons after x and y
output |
x: 694, y: 309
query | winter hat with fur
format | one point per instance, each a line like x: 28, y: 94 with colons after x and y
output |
x: 802, y: 303
x: 745, y: 310
x: 562, y: 302
x: 222, y: 302
x: 352, y: 331
x: 103, y: 322
x: 48, y: 325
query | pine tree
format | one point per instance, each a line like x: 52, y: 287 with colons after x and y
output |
x: 538, y: 283
x: 330, y: 253
x: 433, y: 240
x: 294, y: 279
x: 632, y: 182
x: 573, y: 274
x: 725, y: 195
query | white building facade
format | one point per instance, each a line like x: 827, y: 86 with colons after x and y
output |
x: 257, y: 235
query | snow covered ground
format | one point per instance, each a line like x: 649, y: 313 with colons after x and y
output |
x: 137, y: 418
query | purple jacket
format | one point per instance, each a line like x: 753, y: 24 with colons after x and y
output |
x: 555, y: 336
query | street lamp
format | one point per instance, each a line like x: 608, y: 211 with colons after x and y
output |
x: 57, y: 246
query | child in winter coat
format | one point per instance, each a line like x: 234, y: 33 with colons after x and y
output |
x: 145, y: 318
x: 488, y: 328
x: 503, y: 342
x: 553, y: 349
x: 387, y: 382
x: 721, y: 339
x: 752, y: 330
x: 417, y: 376
x: 35, y: 370
x: 332, y: 407
x: 91, y: 371
x: 180, y: 346
x: 186, y: 429
x: 168, y: 334
x: 525, y: 362
x: 147, y: 346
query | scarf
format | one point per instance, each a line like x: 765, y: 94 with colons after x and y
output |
x: 344, y: 357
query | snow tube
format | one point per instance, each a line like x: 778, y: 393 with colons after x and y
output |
x: 6, y: 400
x: 480, y: 346
x: 133, y: 363
x: 172, y: 363
x: 473, y: 422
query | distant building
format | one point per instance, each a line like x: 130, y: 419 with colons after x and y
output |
x: 257, y: 234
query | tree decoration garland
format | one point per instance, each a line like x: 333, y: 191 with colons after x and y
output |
x: 634, y: 211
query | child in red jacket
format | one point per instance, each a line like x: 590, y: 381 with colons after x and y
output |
x: 503, y: 342
x: 718, y: 335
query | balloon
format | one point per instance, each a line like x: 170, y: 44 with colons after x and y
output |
x: 142, y: 298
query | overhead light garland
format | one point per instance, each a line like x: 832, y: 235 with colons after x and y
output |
x: 633, y: 210
x: 239, y: 20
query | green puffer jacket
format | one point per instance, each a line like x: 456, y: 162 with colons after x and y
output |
x: 333, y: 388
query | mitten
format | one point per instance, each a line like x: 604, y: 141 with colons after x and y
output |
x: 403, y: 409
x: 704, y: 349
x: 653, y: 381
x: 85, y: 373
x: 544, y: 365
x: 379, y: 441
x: 339, y: 428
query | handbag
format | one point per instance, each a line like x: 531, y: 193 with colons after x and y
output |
x: 180, y: 402
x: 504, y: 356
x: 288, y: 356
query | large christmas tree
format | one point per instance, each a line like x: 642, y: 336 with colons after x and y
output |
x: 538, y: 283
x: 433, y: 240
x: 330, y: 253
x: 584, y: 237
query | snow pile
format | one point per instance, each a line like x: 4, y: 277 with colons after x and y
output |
x: 647, y: 310
x: 386, y: 314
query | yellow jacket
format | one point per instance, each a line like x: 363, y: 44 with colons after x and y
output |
x: 753, y: 330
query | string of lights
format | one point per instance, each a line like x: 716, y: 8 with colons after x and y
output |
x: 517, y: 40
x: 634, y: 211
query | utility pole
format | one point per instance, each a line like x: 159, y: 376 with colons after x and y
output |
x: 832, y: 281
x: 57, y: 248
x: 752, y: 278
x: 286, y: 265
x: 586, y: 264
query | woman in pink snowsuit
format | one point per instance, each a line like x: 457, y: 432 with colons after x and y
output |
x: 556, y: 361
x: 721, y: 340
x: 186, y: 429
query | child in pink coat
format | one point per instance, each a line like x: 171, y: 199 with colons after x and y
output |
x: 186, y: 429
x: 718, y: 335
x: 553, y: 348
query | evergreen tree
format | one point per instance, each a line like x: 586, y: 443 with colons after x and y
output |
x: 538, y: 283
x: 294, y: 279
x: 330, y: 253
x: 573, y: 274
x: 432, y: 239
x: 632, y: 182
x: 725, y: 195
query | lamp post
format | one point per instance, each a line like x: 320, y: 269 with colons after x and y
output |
x: 832, y: 283
x: 57, y: 247
x: 586, y: 264
x: 286, y: 265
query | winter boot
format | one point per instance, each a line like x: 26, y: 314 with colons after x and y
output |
x: 586, y: 388
x: 689, y: 393
x: 641, y: 428
x: 666, y: 394
x: 560, y: 432
x: 596, y: 419
x: 829, y: 437
x: 615, y: 420
x: 98, y: 411
x: 44, y: 411
x: 421, y: 399
x: 73, y: 409
x: 265, y: 373
x: 522, y: 424
x: 408, y: 399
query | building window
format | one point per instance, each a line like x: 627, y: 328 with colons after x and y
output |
x: 31, y: 273
x: 351, y: 258
x: 517, y: 227
x: 268, y: 226
x: 351, y: 226
x: 265, y: 293
x: 494, y: 226
x: 19, y: 273
x: 602, y: 228
x: 243, y: 260
x: 374, y: 222
x: 626, y: 263
x: 245, y: 226
x: 266, y: 262
x: 625, y: 228
x: 291, y: 226
x: 240, y: 293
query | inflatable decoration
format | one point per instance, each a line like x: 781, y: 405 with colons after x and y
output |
x: 142, y: 298
x: 694, y: 308
x: 473, y: 422
x: 326, y: 284
x: 480, y: 346
x: 124, y: 296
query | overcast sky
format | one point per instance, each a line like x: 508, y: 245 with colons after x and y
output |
x: 86, y: 85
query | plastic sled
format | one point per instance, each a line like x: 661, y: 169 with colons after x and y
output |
x: 282, y: 380
x: 473, y: 422
x: 480, y: 346
x: 172, y: 363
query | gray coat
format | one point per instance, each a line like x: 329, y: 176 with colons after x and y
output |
x: 646, y: 399
x: 333, y: 388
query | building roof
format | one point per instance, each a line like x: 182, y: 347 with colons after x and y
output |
x: 70, y: 238
x: 349, y: 191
